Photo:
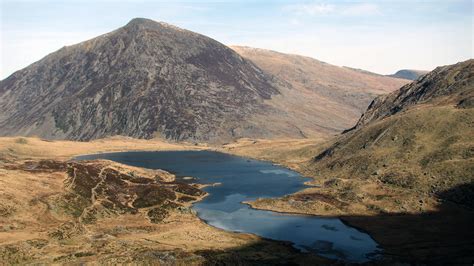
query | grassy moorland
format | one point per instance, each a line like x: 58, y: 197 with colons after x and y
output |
x: 57, y: 211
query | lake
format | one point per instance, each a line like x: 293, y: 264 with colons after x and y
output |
x: 242, y: 179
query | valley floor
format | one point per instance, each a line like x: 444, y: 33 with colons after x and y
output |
x: 407, y: 227
x: 48, y: 215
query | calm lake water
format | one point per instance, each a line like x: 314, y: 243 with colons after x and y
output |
x: 242, y: 179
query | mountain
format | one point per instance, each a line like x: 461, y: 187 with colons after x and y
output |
x: 409, y: 74
x: 404, y: 173
x: 414, y: 142
x: 142, y: 80
x: 151, y: 79
x: 334, y: 97
x: 443, y: 86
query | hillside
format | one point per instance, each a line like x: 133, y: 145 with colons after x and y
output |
x: 408, y: 146
x: 151, y: 79
x: 333, y: 97
x: 417, y: 141
x: 408, y: 74
x: 404, y: 171
x: 143, y: 80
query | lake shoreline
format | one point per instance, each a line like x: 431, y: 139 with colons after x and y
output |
x: 379, y: 228
x: 242, y: 178
x: 181, y: 238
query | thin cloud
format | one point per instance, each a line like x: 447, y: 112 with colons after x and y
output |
x: 361, y: 10
x: 310, y: 8
x: 316, y: 8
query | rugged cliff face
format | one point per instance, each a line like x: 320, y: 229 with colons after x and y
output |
x: 142, y: 80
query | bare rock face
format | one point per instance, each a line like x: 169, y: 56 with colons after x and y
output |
x: 143, y: 80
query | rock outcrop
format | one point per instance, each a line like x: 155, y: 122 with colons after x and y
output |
x: 453, y: 84
x: 98, y: 189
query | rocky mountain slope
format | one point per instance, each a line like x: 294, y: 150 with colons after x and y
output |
x: 333, y: 97
x: 144, y: 79
x: 150, y: 79
x: 404, y: 173
x: 443, y: 86
x: 408, y: 74
x: 417, y: 140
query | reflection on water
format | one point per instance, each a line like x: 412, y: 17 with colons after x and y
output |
x: 244, y: 180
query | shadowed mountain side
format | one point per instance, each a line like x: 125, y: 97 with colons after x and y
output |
x: 441, y: 237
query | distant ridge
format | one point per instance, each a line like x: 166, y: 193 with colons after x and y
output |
x: 409, y: 74
x: 333, y: 97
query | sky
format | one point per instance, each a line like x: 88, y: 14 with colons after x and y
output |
x: 379, y: 36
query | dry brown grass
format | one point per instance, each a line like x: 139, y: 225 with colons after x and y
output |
x: 292, y: 153
x: 320, y: 98
x: 39, y: 224
x: 36, y: 148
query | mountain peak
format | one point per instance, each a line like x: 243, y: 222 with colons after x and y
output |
x: 145, y: 23
x: 410, y: 74
x: 179, y: 84
x: 141, y: 21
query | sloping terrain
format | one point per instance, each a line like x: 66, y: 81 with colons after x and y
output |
x: 448, y: 85
x: 407, y: 147
x: 418, y: 140
x: 404, y: 172
x: 408, y: 74
x: 150, y: 79
x: 317, y: 93
x: 142, y: 80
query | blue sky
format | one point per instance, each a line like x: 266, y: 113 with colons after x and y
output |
x: 380, y: 36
